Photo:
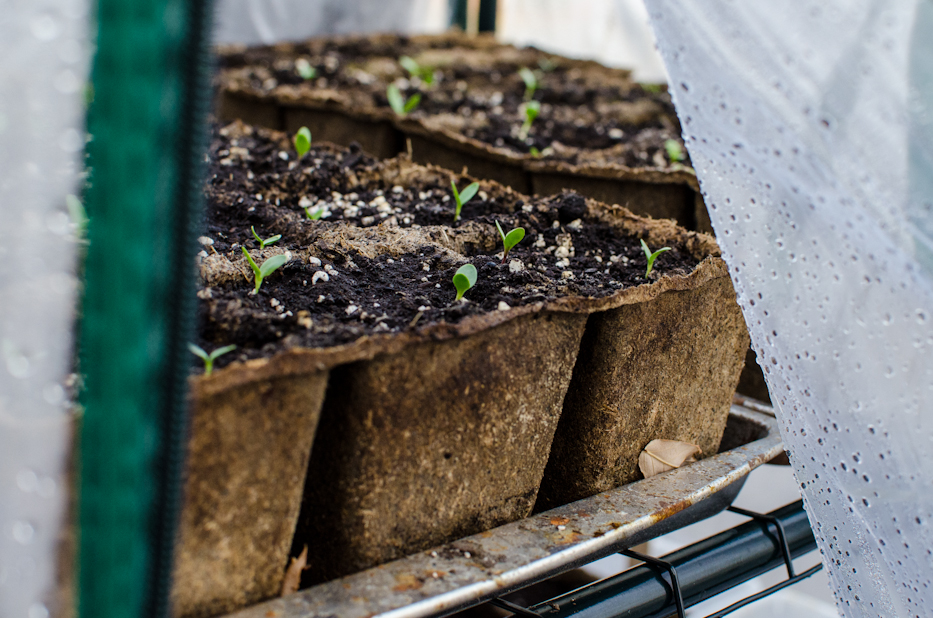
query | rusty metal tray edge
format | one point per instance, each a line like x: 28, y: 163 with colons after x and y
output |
x: 465, y: 572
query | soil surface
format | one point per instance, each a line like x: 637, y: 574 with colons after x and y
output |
x: 382, y: 256
x: 480, y: 91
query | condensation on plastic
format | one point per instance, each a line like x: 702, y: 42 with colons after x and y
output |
x: 809, y: 124
x: 253, y: 22
x: 43, y: 69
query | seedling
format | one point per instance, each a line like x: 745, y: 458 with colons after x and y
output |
x: 399, y: 104
x: 78, y: 217
x: 425, y: 74
x: 652, y: 88
x: 651, y: 256
x: 463, y: 198
x: 674, y: 150
x: 531, y: 82
x: 268, y: 267
x: 304, y: 69
x: 464, y: 279
x: 530, y: 109
x: 209, y: 358
x: 303, y: 141
x: 510, y: 240
x: 268, y: 241
x: 534, y: 152
x: 547, y: 65
x: 314, y: 216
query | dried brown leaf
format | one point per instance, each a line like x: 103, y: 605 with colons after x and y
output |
x: 663, y: 455
x: 292, y: 580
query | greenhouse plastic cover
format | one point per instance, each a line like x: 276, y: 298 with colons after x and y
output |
x: 252, y: 22
x: 809, y: 124
x: 43, y: 68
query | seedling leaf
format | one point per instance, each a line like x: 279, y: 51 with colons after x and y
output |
x: 510, y: 240
x: 530, y: 109
x: 425, y: 74
x: 464, y: 279
x: 78, y: 215
x: 317, y: 214
x: 531, y: 82
x: 409, y: 64
x: 303, y: 141
x: 396, y: 100
x: 209, y: 358
x: 464, y: 197
x: 267, y: 241
x: 514, y: 237
x: 198, y: 351
x: 534, y: 152
x: 221, y: 351
x: 272, y: 264
x: 651, y: 256
x: 252, y: 264
x: 304, y: 69
x: 467, y: 194
x: 674, y: 151
x: 412, y: 102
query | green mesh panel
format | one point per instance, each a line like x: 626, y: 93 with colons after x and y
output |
x: 145, y: 121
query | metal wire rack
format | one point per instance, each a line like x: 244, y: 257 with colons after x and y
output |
x: 484, y: 569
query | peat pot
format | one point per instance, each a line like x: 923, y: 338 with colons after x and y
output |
x: 598, y: 132
x: 366, y: 414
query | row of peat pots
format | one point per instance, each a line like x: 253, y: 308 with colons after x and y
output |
x: 365, y: 414
x: 595, y: 130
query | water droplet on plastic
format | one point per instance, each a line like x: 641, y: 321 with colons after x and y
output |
x: 38, y: 610
x: 44, y: 27
x: 23, y: 532
x: 27, y: 480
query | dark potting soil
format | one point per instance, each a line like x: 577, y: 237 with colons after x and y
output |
x: 576, y: 110
x: 327, y: 294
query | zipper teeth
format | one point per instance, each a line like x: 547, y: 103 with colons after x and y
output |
x: 194, y: 58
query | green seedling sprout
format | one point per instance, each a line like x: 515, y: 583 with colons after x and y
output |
x: 304, y: 69
x: 268, y: 267
x: 464, y: 279
x: 652, y: 88
x: 651, y: 256
x: 268, y: 241
x: 425, y: 74
x: 398, y: 103
x: 209, y: 358
x: 314, y: 216
x: 303, y: 141
x: 547, y: 65
x: 78, y: 217
x: 510, y: 240
x: 463, y: 198
x: 531, y: 82
x: 530, y: 109
x: 534, y: 152
x: 675, y: 151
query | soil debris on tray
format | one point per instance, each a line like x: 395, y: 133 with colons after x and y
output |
x: 381, y: 257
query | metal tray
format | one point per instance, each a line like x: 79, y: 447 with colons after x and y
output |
x: 490, y: 564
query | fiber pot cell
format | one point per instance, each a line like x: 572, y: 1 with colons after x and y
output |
x: 439, y: 415
x: 252, y: 426
x: 598, y: 133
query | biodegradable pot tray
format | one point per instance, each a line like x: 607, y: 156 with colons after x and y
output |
x: 470, y: 116
x: 437, y: 417
x: 476, y: 569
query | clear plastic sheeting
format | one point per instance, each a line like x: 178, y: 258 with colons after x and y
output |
x: 43, y: 68
x: 252, y: 22
x: 809, y: 124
